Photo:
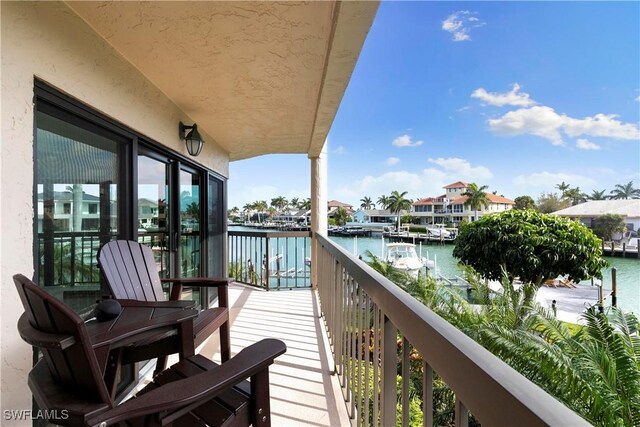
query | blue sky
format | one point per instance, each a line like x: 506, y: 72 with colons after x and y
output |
x: 517, y: 96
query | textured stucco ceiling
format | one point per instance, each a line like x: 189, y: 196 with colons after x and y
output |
x: 259, y: 77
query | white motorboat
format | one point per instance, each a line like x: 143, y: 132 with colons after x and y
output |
x: 403, y: 257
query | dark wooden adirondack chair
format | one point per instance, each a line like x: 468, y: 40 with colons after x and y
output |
x: 68, y: 382
x: 130, y: 270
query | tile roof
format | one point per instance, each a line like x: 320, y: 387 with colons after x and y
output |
x: 457, y: 184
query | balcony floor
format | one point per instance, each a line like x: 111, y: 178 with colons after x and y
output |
x: 303, y: 391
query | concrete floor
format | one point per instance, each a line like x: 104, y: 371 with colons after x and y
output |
x: 303, y: 391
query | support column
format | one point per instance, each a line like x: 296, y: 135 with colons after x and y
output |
x: 318, y: 208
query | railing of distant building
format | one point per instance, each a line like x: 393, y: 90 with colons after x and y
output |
x: 272, y: 260
x: 375, y: 330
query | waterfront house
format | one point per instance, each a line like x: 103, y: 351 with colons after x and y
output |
x: 587, y: 212
x: 93, y: 95
x: 449, y: 207
x: 375, y: 216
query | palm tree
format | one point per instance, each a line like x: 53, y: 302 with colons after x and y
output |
x: 397, y: 203
x: 294, y: 202
x: 260, y: 206
x: 597, y: 195
x: 383, y: 201
x: 367, y: 203
x: 305, y: 204
x: 476, y: 198
x: 625, y: 191
x: 279, y: 202
x: 563, y: 187
x: 341, y: 216
x: 575, y: 195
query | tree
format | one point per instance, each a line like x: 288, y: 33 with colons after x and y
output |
x: 398, y: 203
x: 575, y: 196
x: 295, y: 202
x: 607, y: 225
x: 383, y: 201
x: 476, y: 198
x: 279, y: 202
x: 305, y: 204
x: 524, y: 202
x: 625, y: 191
x: 367, y: 203
x: 340, y: 216
x: 563, y: 187
x: 550, y: 202
x: 532, y: 246
x: 597, y: 195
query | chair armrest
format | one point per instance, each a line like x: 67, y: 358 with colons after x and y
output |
x: 42, y: 339
x: 182, y: 395
x: 126, y: 333
x: 200, y: 281
x: 220, y: 282
x: 184, y: 304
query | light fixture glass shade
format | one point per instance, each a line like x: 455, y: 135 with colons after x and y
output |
x: 193, y: 140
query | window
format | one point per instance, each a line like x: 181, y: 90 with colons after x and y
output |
x: 85, y: 178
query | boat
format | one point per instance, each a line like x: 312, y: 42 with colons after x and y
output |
x: 403, y: 257
x: 439, y: 232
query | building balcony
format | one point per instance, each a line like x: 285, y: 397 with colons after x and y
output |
x: 352, y: 346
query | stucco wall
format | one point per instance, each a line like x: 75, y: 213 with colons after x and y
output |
x: 49, y: 41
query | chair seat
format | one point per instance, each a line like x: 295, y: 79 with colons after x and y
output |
x: 229, y: 408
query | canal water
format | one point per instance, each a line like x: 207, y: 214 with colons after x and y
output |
x: 627, y: 269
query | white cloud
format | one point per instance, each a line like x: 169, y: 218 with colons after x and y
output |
x: 545, y: 122
x: 392, y: 161
x: 340, y: 150
x: 425, y: 183
x: 539, y: 121
x: 601, y: 125
x: 638, y: 98
x: 585, y: 144
x: 513, y: 97
x: 461, y: 170
x: 460, y: 24
x: 405, y: 141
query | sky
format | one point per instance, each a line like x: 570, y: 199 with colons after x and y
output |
x: 518, y: 96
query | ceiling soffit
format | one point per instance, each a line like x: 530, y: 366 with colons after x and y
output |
x: 258, y: 77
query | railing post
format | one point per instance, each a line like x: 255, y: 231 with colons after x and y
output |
x: 266, y: 266
x: 406, y: 374
x: 427, y: 394
x: 389, y: 369
x: 462, y: 415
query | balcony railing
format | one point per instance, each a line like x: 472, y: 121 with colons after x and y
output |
x: 365, y: 314
x: 271, y: 259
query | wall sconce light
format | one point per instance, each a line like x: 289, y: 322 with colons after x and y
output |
x: 193, y: 140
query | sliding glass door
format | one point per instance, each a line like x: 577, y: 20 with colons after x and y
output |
x: 78, y: 201
x: 170, y: 214
x: 96, y: 181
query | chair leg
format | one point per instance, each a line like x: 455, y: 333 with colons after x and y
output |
x: 225, y: 342
x: 261, y: 406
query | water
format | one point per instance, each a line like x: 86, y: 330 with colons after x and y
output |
x: 628, y: 269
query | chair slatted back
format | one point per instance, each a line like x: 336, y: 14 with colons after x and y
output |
x: 130, y: 270
x: 74, y: 367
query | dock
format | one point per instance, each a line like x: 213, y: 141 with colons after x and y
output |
x: 620, y: 250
